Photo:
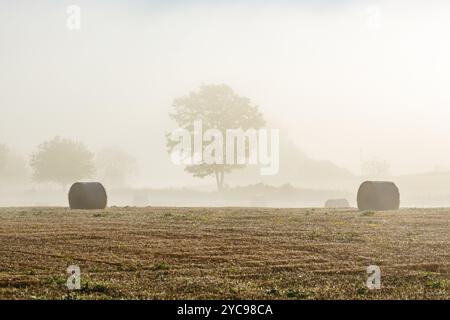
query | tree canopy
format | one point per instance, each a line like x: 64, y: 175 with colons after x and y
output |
x: 218, y: 107
x: 62, y: 161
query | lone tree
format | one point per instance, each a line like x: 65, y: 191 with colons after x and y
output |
x: 218, y: 107
x: 62, y: 161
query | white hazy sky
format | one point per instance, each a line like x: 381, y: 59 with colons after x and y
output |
x: 339, y: 77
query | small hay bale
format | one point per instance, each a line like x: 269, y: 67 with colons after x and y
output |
x: 88, y: 196
x: 337, y: 203
x: 378, y: 196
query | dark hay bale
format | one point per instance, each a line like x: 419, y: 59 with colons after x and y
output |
x: 88, y: 196
x: 337, y: 203
x: 378, y: 195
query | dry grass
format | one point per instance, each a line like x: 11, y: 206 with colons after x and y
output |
x: 224, y: 253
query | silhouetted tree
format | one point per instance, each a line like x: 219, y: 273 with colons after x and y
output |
x: 114, y: 166
x: 62, y: 161
x: 218, y: 107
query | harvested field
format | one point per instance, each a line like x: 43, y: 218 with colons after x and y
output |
x: 224, y: 253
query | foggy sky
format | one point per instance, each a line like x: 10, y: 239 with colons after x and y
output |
x: 341, y: 79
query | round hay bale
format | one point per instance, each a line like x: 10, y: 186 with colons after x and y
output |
x: 88, y: 196
x: 337, y: 203
x: 378, y: 195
